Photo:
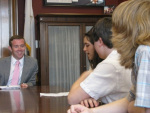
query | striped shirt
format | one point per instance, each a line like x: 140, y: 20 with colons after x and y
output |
x: 141, y: 78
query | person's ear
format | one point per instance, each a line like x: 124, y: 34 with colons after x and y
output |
x: 9, y: 48
x: 100, y: 41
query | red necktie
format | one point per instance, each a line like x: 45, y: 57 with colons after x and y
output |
x: 15, y: 78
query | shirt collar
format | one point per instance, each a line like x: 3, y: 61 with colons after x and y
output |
x: 13, y: 60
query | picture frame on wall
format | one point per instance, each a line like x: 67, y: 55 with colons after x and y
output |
x: 109, y: 9
x: 74, y: 2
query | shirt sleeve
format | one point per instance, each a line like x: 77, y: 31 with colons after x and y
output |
x: 101, y: 81
x: 131, y: 94
x: 143, y: 78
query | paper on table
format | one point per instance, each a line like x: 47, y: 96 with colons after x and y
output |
x: 55, y: 94
x: 9, y: 87
x: 75, y: 0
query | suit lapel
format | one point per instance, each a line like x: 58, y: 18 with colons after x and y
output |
x: 25, y: 69
x: 7, y: 65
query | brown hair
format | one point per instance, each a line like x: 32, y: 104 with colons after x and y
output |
x: 96, y: 59
x: 15, y: 37
x: 131, y: 28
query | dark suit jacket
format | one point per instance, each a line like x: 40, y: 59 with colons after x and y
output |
x: 30, y: 69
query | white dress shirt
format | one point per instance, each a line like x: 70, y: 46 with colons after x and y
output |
x: 109, y: 81
x: 13, y: 61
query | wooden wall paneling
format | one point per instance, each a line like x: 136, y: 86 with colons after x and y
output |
x: 82, y: 53
x: 44, y: 54
x: 21, y: 16
x: 39, y: 8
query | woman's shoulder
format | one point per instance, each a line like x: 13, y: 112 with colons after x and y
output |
x: 143, y: 48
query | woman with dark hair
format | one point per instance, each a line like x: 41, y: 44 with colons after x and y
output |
x: 89, y: 49
x: 93, y: 58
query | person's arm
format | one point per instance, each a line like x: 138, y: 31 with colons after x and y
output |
x: 32, y: 72
x: 32, y: 80
x: 90, y: 86
x: 134, y: 109
x: 147, y: 110
x: 80, y: 79
x: 77, y: 94
x: 120, y: 106
x: 90, y: 102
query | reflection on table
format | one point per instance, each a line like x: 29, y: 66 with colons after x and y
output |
x: 31, y: 102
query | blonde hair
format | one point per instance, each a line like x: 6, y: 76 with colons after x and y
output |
x: 131, y: 28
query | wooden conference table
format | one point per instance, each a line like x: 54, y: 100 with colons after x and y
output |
x: 31, y: 102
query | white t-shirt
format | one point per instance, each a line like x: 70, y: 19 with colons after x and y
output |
x: 109, y: 81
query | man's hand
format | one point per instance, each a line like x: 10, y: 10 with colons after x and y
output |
x: 24, y: 85
x: 79, y: 109
x: 90, y: 103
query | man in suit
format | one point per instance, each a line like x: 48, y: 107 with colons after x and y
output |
x: 28, y: 66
